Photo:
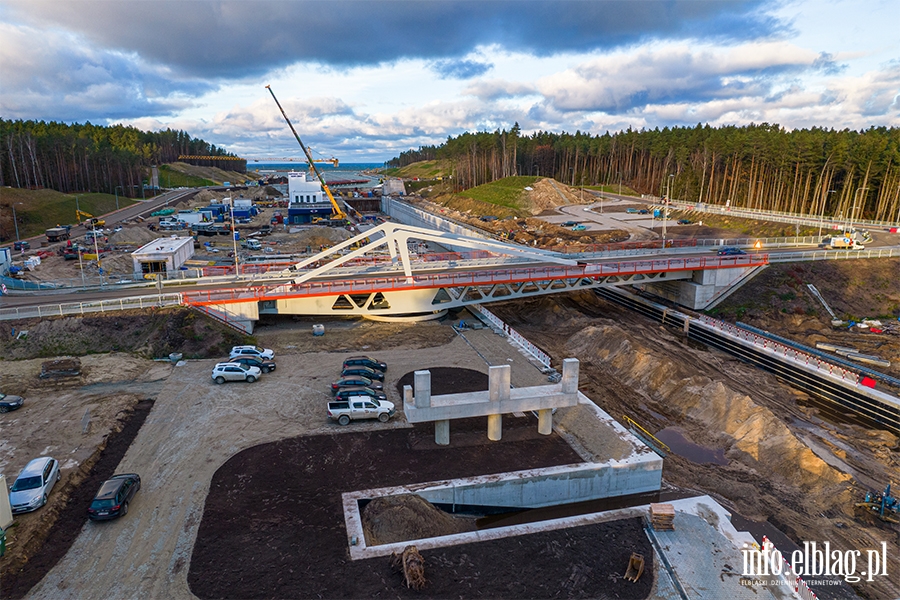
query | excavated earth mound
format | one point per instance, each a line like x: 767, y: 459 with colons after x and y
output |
x: 391, y: 519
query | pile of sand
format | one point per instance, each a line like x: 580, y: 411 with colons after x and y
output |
x: 134, y: 236
x: 392, y: 519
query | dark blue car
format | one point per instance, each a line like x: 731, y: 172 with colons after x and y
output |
x: 114, y: 495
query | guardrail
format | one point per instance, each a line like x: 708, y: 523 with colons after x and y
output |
x: 464, y: 278
x: 830, y: 222
x: 82, y: 308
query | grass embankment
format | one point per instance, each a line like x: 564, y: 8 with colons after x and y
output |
x: 172, y: 178
x: 502, y: 198
x: 38, y: 210
x: 426, y: 169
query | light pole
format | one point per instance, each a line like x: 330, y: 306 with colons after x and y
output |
x: 234, y: 239
x: 853, y: 212
x: 97, y: 252
x: 822, y: 214
x: 15, y: 220
x: 665, y: 209
x: 117, y: 195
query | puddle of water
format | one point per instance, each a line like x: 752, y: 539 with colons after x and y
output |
x: 672, y: 438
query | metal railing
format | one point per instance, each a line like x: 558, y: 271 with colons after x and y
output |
x: 82, y: 308
x: 828, y: 222
x: 470, y: 278
x: 512, y: 334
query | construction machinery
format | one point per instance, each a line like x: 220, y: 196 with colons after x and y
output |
x: 89, y: 219
x: 883, y: 505
x: 338, y: 213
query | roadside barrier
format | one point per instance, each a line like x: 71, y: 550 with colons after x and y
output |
x: 512, y: 334
x: 786, y: 351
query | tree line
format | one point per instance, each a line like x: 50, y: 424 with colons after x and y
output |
x: 91, y: 158
x: 808, y: 171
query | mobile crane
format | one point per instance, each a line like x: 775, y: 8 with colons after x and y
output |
x: 339, y: 214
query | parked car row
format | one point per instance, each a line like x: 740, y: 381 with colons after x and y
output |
x: 245, y: 363
x: 32, y: 487
x: 359, y: 392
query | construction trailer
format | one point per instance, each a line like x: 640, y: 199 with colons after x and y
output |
x: 163, y: 255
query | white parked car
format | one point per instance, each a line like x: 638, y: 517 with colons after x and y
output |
x: 223, y: 372
x: 251, y: 351
x: 33, y: 485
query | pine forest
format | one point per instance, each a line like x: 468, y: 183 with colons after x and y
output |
x: 807, y: 171
x: 91, y: 158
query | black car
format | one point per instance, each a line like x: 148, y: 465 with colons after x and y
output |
x: 362, y: 371
x: 8, y: 403
x: 21, y: 245
x: 114, y: 495
x: 265, y: 365
x: 365, y: 361
x: 349, y: 392
x: 356, y: 380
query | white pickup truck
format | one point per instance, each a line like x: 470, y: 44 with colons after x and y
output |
x: 360, y: 407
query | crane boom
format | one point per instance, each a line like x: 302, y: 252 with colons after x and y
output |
x: 338, y: 213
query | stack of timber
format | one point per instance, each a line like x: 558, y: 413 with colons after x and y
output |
x: 662, y: 517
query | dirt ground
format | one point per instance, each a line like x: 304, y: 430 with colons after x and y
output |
x: 279, y: 504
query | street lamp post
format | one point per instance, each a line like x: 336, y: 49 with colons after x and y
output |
x: 822, y: 214
x: 15, y: 221
x: 853, y: 212
x: 234, y: 240
x: 97, y: 252
x: 665, y: 209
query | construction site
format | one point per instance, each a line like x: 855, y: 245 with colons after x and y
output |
x: 638, y: 463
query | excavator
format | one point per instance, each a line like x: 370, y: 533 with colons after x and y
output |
x: 337, y: 213
x: 89, y: 219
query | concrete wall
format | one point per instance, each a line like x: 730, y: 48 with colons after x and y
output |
x: 637, y: 470
x: 549, y: 487
x: 408, y: 215
x: 704, y: 287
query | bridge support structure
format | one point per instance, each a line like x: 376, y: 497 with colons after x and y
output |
x: 497, y: 400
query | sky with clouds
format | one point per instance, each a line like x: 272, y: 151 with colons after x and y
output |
x: 364, y: 80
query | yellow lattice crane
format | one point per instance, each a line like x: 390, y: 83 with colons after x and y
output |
x: 335, y: 207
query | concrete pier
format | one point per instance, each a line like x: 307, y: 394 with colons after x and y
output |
x: 497, y: 400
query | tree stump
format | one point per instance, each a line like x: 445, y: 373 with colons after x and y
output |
x: 412, y: 565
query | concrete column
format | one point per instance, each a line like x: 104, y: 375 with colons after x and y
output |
x: 570, y: 375
x: 423, y: 388
x: 407, y: 395
x: 442, y: 432
x: 495, y: 427
x: 499, y: 378
x: 545, y: 421
x: 498, y: 391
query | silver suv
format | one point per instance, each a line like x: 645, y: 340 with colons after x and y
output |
x: 223, y: 372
